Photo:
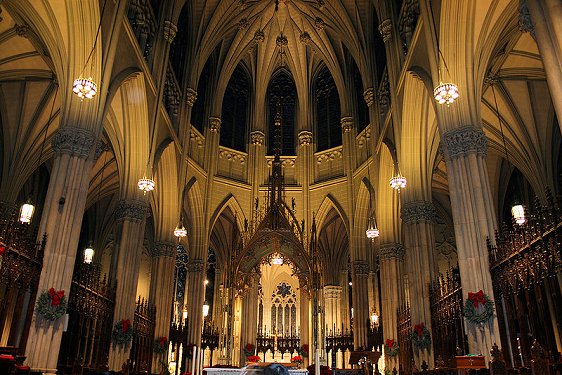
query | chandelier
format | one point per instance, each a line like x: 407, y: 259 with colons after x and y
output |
x: 180, y: 231
x: 84, y: 88
x: 277, y: 260
x: 398, y: 182
x: 446, y: 93
x: 146, y: 184
x: 26, y: 212
x: 372, y: 231
x: 518, y: 212
x: 88, y: 254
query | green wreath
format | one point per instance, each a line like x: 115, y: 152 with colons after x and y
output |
x: 122, y: 333
x: 51, y: 304
x: 390, y: 348
x: 421, y: 338
x: 161, y: 345
x: 478, y: 308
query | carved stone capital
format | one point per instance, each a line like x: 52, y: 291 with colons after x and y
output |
x: 22, y: 30
x: 385, y: 28
x: 131, y: 210
x: 305, y: 138
x: 170, y: 31
x: 369, y: 96
x: 347, y: 124
x: 164, y: 249
x: 195, y: 265
x: 215, y: 124
x: 360, y: 267
x: 190, y: 96
x: 332, y: 291
x: 392, y: 250
x: 418, y: 211
x: 525, y: 21
x: 73, y: 141
x: 257, y: 137
x: 463, y: 141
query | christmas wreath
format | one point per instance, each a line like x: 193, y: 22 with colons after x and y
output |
x: 122, y: 333
x: 160, y: 345
x: 249, y: 350
x: 478, y: 307
x: 390, y: 348
x: 51, y: 304
x: 421, y: 338
x: 303, y: 350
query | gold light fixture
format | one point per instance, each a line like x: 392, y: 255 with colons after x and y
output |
x: 518, y: 212
x: 184, y: 313
x: 372, y: 231
x: 88, y: 254
x: 398, y: 182
x: 446, y: 93
x: 277, y: 260
x: 146, y: 184
x: 206, y: 308
x: 180, y: 231
x: 374, y: 318
x: 26, y: 212
x: 85, y: 88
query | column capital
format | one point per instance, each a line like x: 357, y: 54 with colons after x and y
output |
x: 214, y: 124
x: 164, y: 249
x: 392, y: 250
x: 346, y: 124
x: 332, y: 291
x: 257, y: 137
x: 73, y: 141
x: 418, y: 211
x: 385, y: 28
x: 190, y: 96
x: 305, y: 138
x: 360, y: 267
x: 170, y: 30
x: 131, y: 210
x: 463, y: 141
x: 369, y: 96
x: 525, y: 21
x: 195, y: 265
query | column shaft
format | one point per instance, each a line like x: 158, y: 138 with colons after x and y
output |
x: 360, y: 303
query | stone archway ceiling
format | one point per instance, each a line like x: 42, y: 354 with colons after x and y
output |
x: 333, y: 246
x: 221, y: 239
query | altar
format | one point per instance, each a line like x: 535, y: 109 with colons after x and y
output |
x: 244, y: 370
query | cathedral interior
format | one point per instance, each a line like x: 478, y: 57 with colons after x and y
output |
x: 212, y: 183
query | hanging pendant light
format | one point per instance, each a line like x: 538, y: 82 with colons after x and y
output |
x: 26, y: 212
x: 446, y: 93
x: 146, y: 184
x: 89, y: 253
x: 206, y: 309
x: 180, y: 231
x: 85, y: 88
x: 398, y: 182
x: 518, y: 212
x: 372, y: 231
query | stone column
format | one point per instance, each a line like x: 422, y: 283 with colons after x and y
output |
x: 391, y: 257
x: 474, y: 218
x: 257, y: 166
x: 305, y: 153
x: 130, y: 216
x: 360, y: 288
x: 332, y: 307
x: 61, y: 221
x: 162, y: 292
x: 345, y: 314
x: 249, y: 322
x: 217, y: 298
x: 196, y: 298
x: 542, y: 19
x: 304, y: 297
x: 418, y: 218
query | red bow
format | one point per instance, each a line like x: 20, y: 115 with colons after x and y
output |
x: 126, y: 323
x: 2, y: 250
x: 56, y: 297
x: 419, y: 329
x: 477, y: 298
x: 390, y: 343
x: 163, y: 341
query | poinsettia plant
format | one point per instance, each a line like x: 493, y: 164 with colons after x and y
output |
x: 249, y: 349
x: 253, y: 358
x: 297, y: 359
x: 478, y: 307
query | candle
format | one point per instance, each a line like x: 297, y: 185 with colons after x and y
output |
x: 193, y: 356
x: 317, y: 363
x: 202, y: 361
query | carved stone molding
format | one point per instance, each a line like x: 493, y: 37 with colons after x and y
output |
x: 232, y: 155
x: 464, y: 141
x: 369, y: 96
x: 319, y: 23
x: 101, y: 146
x: 329, y: 155
x: 170, y: 31
x: 259, y: 36
x: 305, y: 38
x: 392, y: 250
x: 257, y: 137
x: 418, y: 211
x: 190, y: 96
x: 385, y: 28
x: 195, y: 265
x: 347, y: 124
x: 360, y: 267
x: 525, y: 21
x: 131, y: 210
x: 214, y: 124
x: 164, y: 249
x: 22, y: 30
x: 332, y: 291
x: 243, y: 23
x: 305, y: 138
x: 73, y: 141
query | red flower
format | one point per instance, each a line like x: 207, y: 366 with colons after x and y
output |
x: 250, y: 347
x: 390, y: 343
x: 125, y: 324
x: 2, y: 250
x: 56, y: 297
x: 419, y: 329
x: 163, y: 340
x: 297, y: 359
x: 477, y: 298
x: 253, y: 358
